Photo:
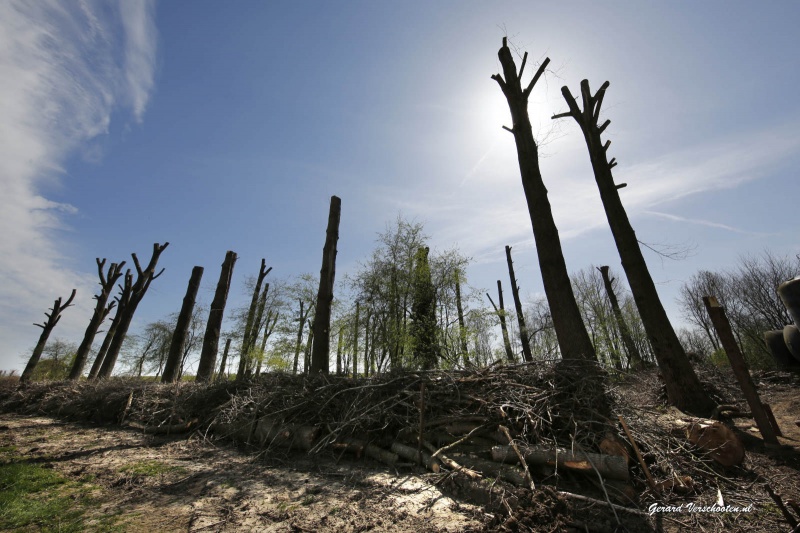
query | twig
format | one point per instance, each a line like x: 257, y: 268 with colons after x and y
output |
x: 647, y: 474
x: 522, y: 461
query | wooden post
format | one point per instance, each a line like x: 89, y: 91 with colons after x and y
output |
x: 723, y: 328
x: 320, y: 356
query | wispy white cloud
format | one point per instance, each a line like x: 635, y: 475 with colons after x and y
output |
x: 702, y: 222
x: 64, y: 70
x: 487, y: 210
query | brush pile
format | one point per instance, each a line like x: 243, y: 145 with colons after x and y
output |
x: 523, y: 440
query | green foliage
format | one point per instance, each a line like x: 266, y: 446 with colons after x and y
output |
x: 56, y: 361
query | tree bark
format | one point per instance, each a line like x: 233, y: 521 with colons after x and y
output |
x: 462, y: 330
x: 52, y: 319
x: 320, y: 357
x: 501, y: 314
x: 208, y: 354
x: 101, y: 311
x: 176, y: 348
x: 634, y: 356
x: 251, y: 315
x: 339, y: 352
x: 223, y: 371
x: 355, y: 343
x: 523, y: 331
x: 299, y: 337
x: 569, y: 327
x: 684, y: 390
x: 143, y: 280
x: 121, y: 300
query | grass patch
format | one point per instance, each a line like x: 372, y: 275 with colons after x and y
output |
x: 151, y: 468
x: 36, y: 498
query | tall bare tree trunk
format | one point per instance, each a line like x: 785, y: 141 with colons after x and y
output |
x: 143, y: 280
x: 52, y: 319
x: 462, y: 329
x: 339, y: 352
x: 299, y: 337
x: 320, y: 358
x: 366, y: 343
x: 355, y: 343
x: 254, y: 331
x: 223, y: 370
x: 307, y: 349
x: 523, y: 330
x: 634, y: 356
x: 268, y: 329
x: 684, y: 390
x: 208, y: 354
x: 501, y: 314
x: 251, y: 316
x: 176, y: 348
x: 101, y: 311
x: 570, y: 330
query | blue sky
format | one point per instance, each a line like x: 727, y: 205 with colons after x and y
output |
x: 218, y: 125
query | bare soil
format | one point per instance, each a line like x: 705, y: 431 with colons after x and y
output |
x: 157, y: 483
x: 194, y: 482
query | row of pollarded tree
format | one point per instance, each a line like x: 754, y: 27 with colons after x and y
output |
x: 131, y: 294
x: 684, y: 389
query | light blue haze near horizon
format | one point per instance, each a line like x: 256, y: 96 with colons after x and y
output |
x: 227, y: 126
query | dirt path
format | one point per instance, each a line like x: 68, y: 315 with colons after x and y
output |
x: 140, y: 482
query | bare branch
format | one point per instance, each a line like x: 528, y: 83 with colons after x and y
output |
x: 562, y: 115
x: 536, y: 77
x: 508, y: 129
x: 602, y: 128
x: 522, y: 67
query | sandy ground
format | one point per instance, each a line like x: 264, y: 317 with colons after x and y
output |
x: 164, y: 484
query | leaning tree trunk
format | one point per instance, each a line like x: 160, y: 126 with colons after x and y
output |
x: 208, y: 354
x: 684, y: 389
x: 320, y: 357
x: 251, y: 315
x: 101, y: 311
x: 122, y: 301
x: 223, y: 371
x: 251, y: 342
x: 523, y: 330
x: 143, y: 280
x: 176, y: 348
x: 634, y: 356
x: 570, y: 330
x: 501, y: 314
x: 52, y: 319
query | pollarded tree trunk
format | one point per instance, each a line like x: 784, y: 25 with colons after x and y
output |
x: 223, y: 370
x: 320, y: 358
x: 570, y: 330
x: 501, y: 314
x: 634, y: 356
x: 52, y: 319
x: 523, y: 330
x: 176, y: 348
x: 122, y: 301
x: 143, y: 280
x: 101, y: 311
x: 208, y: 354
x: 684, y: 390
